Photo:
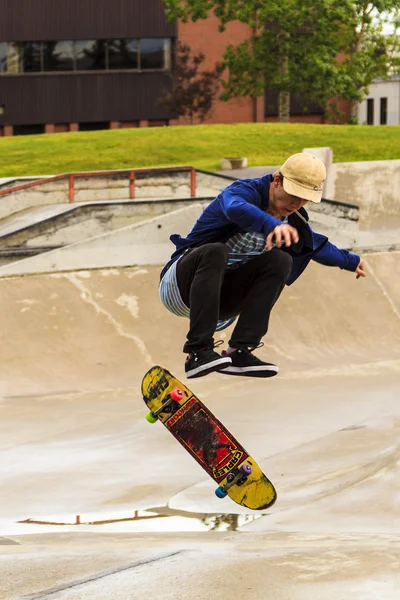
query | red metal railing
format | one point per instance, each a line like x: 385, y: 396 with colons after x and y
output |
x: 131, y: 176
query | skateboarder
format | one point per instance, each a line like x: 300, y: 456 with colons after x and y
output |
x: 248, y: 243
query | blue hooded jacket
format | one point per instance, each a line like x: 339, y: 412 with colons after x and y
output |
x: 241, y: 207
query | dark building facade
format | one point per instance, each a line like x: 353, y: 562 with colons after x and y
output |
x: 83, y: 64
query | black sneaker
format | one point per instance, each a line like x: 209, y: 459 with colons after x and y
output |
x: 246, y: 364
x: 205, y: 361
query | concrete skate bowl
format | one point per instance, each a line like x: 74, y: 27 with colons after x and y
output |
x: 76, y: 345
x: 101, y: 329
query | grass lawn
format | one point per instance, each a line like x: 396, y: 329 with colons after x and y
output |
x: 201, y: 146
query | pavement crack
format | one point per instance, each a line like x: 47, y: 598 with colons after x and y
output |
x: 87, y: 296
x: 383, y: 290
x: 51, y: 593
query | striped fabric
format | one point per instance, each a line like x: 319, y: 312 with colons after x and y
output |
x: 242, y: 247
x: 171, y: 298
x: 170, y: 294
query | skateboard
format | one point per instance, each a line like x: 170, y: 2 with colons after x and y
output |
x: 207, y: 440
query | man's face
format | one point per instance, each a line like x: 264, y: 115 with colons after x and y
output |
x: 280, y: 202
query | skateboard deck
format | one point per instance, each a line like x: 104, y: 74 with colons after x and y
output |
x: 207, y: 440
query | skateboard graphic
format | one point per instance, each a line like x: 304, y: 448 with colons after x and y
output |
x: 207, y: 440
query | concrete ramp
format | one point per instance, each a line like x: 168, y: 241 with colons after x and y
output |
x: 101, y: 329
x: 65, y: 224
x: 146, y: 242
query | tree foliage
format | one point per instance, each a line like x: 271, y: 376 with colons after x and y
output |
x: 294, y: 45
x: 368, y: 52
x: 193, y: 91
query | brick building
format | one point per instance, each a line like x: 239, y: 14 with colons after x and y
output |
x: 93, y: 64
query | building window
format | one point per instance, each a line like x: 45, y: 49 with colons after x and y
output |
x: 90, y: 55
x: 3, y: 57
x: 158, y: 122
x: 58, y: 56
x: 370, y: 111
x: 94, y: 126
x: 299, y: 105
x: 85, y: 55
x: 28, y: 129
x: 123, y: 54
x: 153, y: 53
x: 13, y: 58
x: 383, y: 111
x: 167, y: 53
x: 32, y: 57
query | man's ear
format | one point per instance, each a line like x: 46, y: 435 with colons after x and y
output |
x: 276, y: 181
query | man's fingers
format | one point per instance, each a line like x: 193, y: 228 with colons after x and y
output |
x: 290, y: 234
x: 361, y: 270
x: 287, y: 237
x: 282, y: 234
x: 278, y: 237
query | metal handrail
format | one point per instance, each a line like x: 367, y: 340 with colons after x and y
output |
x: 131, y: 173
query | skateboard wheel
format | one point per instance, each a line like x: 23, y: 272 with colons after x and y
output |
x: 220, y: 493
x: 176, y: 394
x: 246, y: 469
x: 150, y: 418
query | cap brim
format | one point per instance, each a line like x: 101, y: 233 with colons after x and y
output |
x: 295, y: 189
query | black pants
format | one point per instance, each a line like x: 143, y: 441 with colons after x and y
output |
x: 214, y: 293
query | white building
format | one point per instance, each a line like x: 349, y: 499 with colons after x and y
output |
x: 382, y: 106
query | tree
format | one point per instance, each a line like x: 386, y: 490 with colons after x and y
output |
x: 395, y: 46
x: 368, y: 52
x: 292, y: 45
x: 193, y: 91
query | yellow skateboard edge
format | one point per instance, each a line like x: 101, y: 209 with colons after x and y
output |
x: 257, y: 493
x: 166, y: 389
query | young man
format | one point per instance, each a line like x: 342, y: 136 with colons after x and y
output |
x: 248, y: 243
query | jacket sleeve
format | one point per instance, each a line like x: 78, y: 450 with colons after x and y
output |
x: 240, y: 205
x: 332, y: 256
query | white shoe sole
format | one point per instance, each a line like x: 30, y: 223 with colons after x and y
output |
x: 256, y: 371
x: 215, y: 365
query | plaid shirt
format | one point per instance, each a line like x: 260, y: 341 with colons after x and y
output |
x: 243, y: 246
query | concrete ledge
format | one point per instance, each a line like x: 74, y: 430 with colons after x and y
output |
x: 145, y: 243
x: 62, y: 225
x: 233, y: 163
x: 373, y: 186
x: 325, y: 154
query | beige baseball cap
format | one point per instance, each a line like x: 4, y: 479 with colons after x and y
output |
x: 304, y: 176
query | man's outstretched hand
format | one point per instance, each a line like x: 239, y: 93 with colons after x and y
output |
x: 286, y: 235
x: 361, y: 270
x: 283, y: 234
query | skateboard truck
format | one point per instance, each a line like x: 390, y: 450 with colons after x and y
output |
x: 236, y: 477
x: 175, y: 395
